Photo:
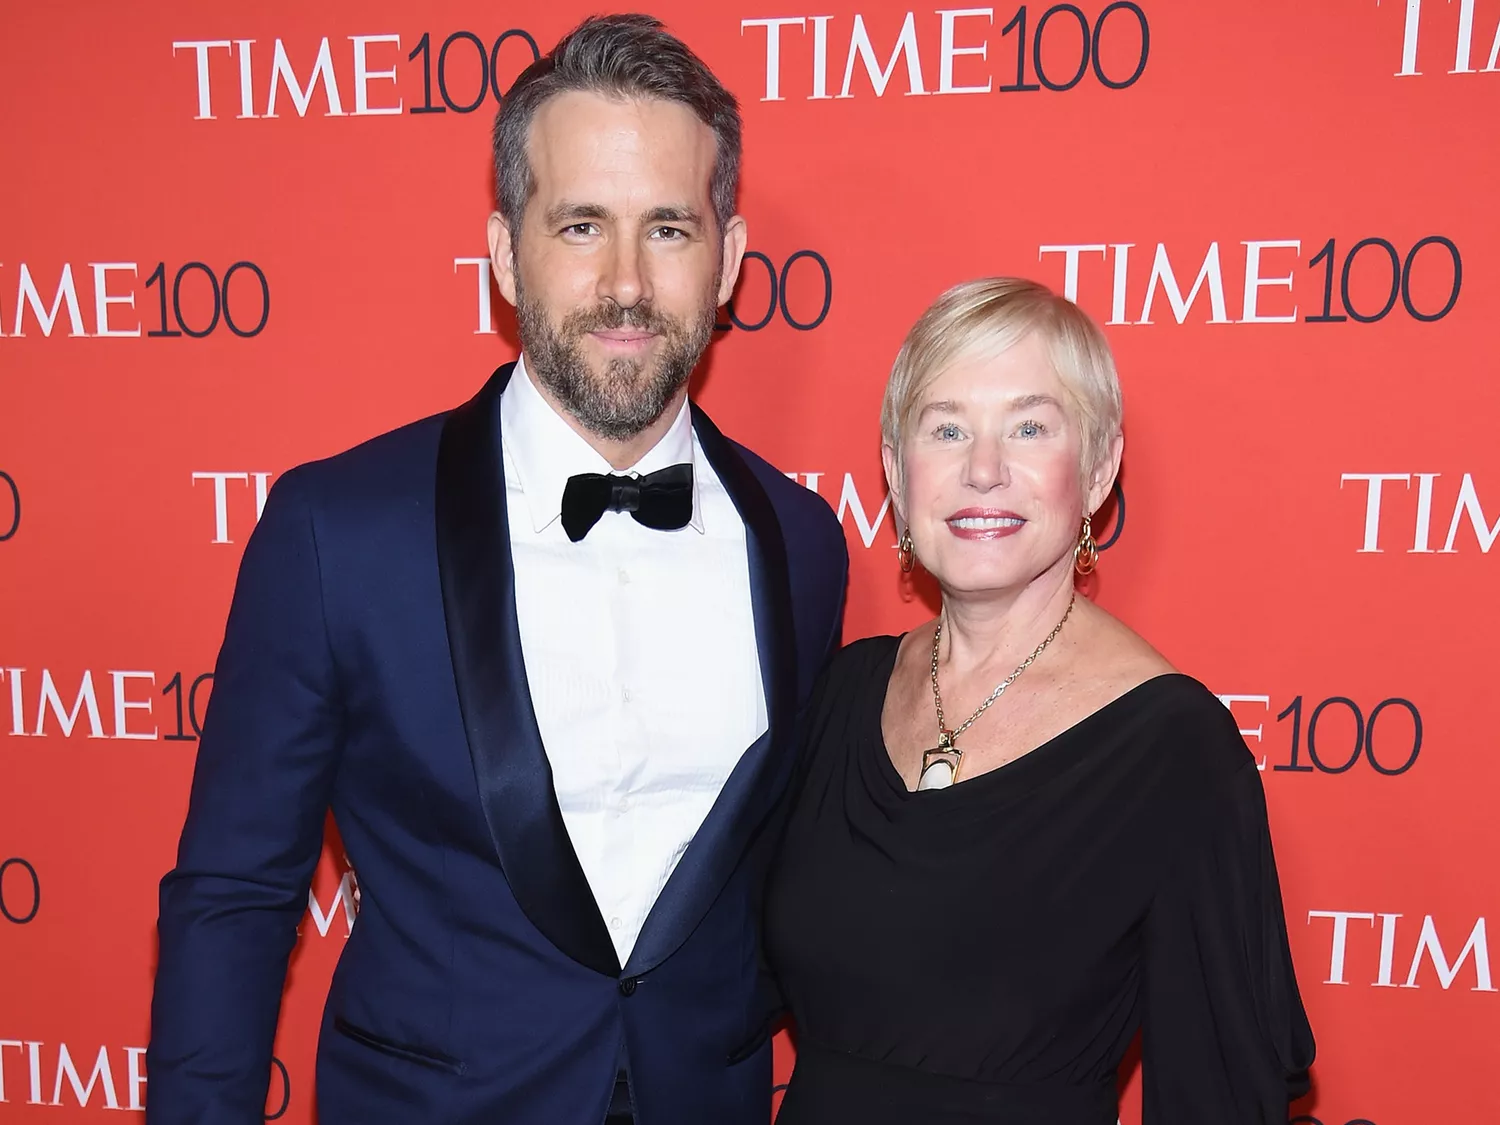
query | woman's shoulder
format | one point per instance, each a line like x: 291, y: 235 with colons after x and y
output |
x: 1178, y: 697
x: 859, y: 664
x: 853, y: 678
x: 1182, y: 723
x: 848, y: 695
x: 867, y: 648
x: 1167, y: 711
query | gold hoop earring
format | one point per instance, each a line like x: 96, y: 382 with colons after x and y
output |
x: 906, y: 552
x: 1086, y: 553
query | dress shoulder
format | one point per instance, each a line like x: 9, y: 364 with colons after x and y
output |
x: 858, y: 660
x: 855, y: 674
x: 1189, y: 727
x: 848, y: 691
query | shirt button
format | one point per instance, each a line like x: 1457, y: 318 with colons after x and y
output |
x: 624, y: 804
x: 624, y: 694
x: 624, y: 576
x: 627, y: 986
x: 615, y: 923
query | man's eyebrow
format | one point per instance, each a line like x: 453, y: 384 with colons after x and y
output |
x: 678, y: 214
x: 566, y: 212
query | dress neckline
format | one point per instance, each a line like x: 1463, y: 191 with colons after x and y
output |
x: 1038, y: 758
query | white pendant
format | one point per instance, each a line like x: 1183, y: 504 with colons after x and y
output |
x: 937, y: 775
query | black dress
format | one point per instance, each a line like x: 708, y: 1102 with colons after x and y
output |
x: 986, y: 953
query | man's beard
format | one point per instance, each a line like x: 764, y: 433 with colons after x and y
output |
x: 629, y: 394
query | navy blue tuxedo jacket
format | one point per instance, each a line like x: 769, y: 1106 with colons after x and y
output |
x: 372, y: 665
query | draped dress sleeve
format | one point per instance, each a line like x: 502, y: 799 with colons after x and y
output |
x: 1225, y: 1039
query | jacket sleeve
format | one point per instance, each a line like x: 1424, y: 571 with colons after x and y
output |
x: 230, y: 908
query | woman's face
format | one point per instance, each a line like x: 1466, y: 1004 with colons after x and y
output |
x: 992, y: 489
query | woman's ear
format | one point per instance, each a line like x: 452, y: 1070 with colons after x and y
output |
x: 892, y: 462
x: 1102, y: 479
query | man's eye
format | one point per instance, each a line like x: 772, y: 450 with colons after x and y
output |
x: 580, y: 229
x: 668, y: 234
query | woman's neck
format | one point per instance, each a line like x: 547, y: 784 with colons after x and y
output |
x: 1002, y: 627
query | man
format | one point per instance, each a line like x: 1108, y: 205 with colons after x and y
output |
x: 542, y: 657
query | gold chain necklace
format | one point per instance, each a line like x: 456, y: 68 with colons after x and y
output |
x: 940, y: 765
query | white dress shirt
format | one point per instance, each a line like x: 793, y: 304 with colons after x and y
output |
x: 640, y: 654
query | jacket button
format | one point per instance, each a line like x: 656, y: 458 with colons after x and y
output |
x: 627, y: 986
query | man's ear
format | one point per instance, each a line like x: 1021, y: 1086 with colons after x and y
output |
x: 503, y: 256
x: 736, y: 238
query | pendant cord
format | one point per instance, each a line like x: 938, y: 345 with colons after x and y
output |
x: 948, y: 737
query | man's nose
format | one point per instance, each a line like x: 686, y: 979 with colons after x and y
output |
x: 624, y: 278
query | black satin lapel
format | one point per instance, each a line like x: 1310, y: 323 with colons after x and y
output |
x: 748, y: 794
x: 484, y: 638
x: 770, y: 581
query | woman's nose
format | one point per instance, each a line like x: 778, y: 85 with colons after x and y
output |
x: 986, y: 467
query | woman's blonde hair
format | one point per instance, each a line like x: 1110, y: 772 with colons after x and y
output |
x: 989, y: 316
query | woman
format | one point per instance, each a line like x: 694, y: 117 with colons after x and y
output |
x: 1019, y: 835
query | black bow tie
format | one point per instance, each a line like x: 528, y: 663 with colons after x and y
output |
x: 662, y: 500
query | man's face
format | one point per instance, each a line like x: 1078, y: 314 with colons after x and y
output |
x: 619, y: 264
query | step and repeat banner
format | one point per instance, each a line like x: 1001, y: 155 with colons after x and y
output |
x: 238, y: 236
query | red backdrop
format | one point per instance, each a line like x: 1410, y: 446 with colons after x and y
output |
x: 237, y: 236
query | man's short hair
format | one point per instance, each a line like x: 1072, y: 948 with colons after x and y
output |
x: 620, y: 56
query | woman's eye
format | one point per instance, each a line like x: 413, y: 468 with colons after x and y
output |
x: 1031, y: 429
x: 948, y: 432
